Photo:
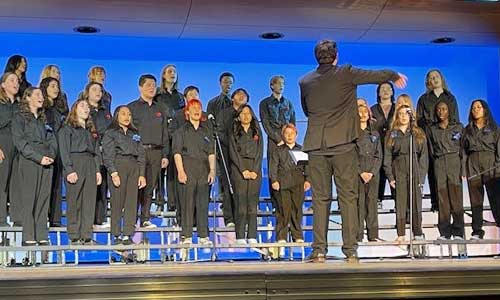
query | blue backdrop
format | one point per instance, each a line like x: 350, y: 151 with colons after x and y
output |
x: 471, y: 72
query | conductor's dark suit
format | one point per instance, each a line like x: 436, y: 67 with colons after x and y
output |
x: 328, y: 97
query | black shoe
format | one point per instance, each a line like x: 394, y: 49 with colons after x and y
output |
x: 352, y: 259
x: 117, y: 240
x: 316, y: 257
x: 74, y: 242
x: 88, y: 242
x: 17, y: 224
x: 56, y: 225
x: 29, y: 243
x: 126, y: 240
x: 43, y: 243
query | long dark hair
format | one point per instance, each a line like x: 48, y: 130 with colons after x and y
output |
x: 490, y: 121
x: 24, y: 105
x: 116, y: 125
x: 86, y: 90
x: 59, y: 102
x: 393, y: 99
x: 72, y: 119
x: 13, y: 63
x: 254, y: 125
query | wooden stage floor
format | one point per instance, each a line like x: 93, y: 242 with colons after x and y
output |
x: 477, y: 278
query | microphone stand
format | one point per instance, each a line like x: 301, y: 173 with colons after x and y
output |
x: 218, y: 149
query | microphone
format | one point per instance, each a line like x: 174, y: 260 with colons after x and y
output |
x: 212, y: 119
x: 410, y: 113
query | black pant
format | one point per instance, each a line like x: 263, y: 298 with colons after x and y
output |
x: 16, y: 209
x: 193, y: 195
x: 35, y: 181
x: 449, y: 192
x: 228, y: 199
x: 289, y: 211
x: 401, y: 176
x: 381, y: 185
x: 55, y: 207
x: 124, y: 197
x: 153, y: 167
x: 7, y: 146
x: 368, y: 208
x: 271, y: 148
x: 476, y: 193
x: 344, y: 169
x: 81, y: 197
x: 101, y: 204
x: 246, y: 198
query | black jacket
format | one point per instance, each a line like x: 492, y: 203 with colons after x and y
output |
x: 328, y: 97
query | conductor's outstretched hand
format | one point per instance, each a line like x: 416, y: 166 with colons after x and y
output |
x: 401, y: 82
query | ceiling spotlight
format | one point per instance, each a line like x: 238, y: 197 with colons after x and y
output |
x: 271, y: 35
x: 443, y: 40
x: 86, y: 29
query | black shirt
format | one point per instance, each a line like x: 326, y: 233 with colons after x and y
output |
x: 116, y: 142
x: 479, y: 140
x: 246, y: 148
x: 217, y: 104
x: 152, y: 123
x: 33, y: 137
x: 193, y: 143
x: 486, y: 143
x: 225, y: 120
x: 284, y: 170
x: 400, y: 149
x: 445, y: 140
x: 77, y: 140
x: 8, y: 111
x: 194, y: 146
x: 426, y: 108
x: 382, y: 124
x: 274, y: 114
x: 54, y: 118
x: 174, y: 102
x: 369, y: 150
x: 329, y: 100
x: 101, y: 117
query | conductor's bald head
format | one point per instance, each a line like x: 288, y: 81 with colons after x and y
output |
x: 325, y: 52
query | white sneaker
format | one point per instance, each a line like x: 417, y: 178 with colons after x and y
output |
x: 475, y: 237
x: 240, y: 242
x: 230, y: 224
x: 252, y: 241
x: 148, y: 224
x: 443, y: 238
x: 205, y: 242
x: 187, y: 241
x: 282, y: 242
x: 105, y: 225
x: 299, y: 240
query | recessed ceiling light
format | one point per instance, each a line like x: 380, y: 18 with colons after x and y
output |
x: 86, y: 29
x: 271, y: 35
x: 443, y: 40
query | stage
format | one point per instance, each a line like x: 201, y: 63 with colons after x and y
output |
x: 335, y: 279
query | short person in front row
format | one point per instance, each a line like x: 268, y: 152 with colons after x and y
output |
x: 124, y: 159
x: 289, y: 181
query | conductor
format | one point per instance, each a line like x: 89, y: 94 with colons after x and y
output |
x: 328, y: 98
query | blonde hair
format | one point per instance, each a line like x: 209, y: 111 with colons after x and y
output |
x: 93, y: 71
x: 418, y: 133
x: 403, y: 100
x: 3, y: 96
